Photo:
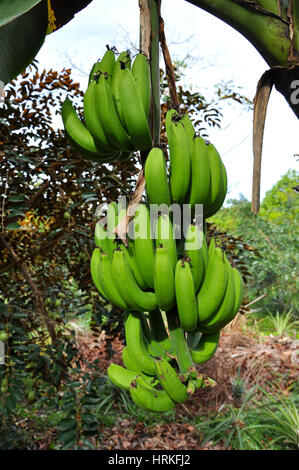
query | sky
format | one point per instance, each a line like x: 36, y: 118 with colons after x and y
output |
x: 218, y: 53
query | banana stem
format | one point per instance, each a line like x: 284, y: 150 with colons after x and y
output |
x: 154, y: 7
x: 179, y: 343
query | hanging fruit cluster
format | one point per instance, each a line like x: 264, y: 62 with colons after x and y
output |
x: 178, y: 292
x: 116, y: 109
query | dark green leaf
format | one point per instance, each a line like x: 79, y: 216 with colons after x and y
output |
x: 21, y: 40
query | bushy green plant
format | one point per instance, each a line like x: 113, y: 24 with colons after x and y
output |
x: 273, y: 232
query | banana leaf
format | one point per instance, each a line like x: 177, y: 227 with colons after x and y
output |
x: 20, y: 39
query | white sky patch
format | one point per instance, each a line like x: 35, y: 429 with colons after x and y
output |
x: 219, y: 54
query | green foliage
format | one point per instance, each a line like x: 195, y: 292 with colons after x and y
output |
x: 258, y: 424
x: 274, y: 234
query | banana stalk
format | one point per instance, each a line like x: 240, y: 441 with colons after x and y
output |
x: 179, y: 344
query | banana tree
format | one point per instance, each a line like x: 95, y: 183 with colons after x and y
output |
x: 272, y: 26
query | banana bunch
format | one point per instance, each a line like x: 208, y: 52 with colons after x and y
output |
x: 197, y: 174
x: 177, y: 292
x: 153, y: 382
x: 192, y: 282
x: 116, y: 110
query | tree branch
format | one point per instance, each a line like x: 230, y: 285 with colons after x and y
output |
x: 169, y: 68
x: 37, y: 294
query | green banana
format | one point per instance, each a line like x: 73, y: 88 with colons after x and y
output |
x: 80, y: 137
x: 158, y: 329
x: 128, y: 361
x: 123, y: 378
x: 95, y: 269
x: 206, y: 348
x: 142, y: 75
x: 226, y: 317
x: 164, y: 279
x: 113, y: 128
x: 226, y: 308
x: 130, y: 255
x: 212, y: 246
x: 156, y: 179
x: 101, y: 238
x: 136, y: 345
x: 179, y: 154
x: 105, y: 65
x: 200, y: 173
x: 164, y: 236
x: 92, y: 119
x: 94, y: 70
x: 134, y: 297
x: 123, y: 60
x: 134, y: 114
x: 213, y: 287
x: 189, y: 128
x: 120, y: 376
x: 170, y: 381
x: 154, y: 347
x: 195, y: 245
x: 152, y: 400
x: 108, y: 282
x: 185, y: 296
x: 144, y: 245
x: 218, y: 183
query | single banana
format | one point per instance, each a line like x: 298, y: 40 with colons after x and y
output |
x: 80, y: 137
x: 130, y: 255
x: 136, y: 345
x: 185, y: 296
x: 144, y: 244
x: 206, y: 348
x: 164, y: 236
x: 123, y: 378
x: 113, y: 128
x: 123, y: 60
x: 142, y: 75
x: 179, y: 155
x: 107, y: 280
x: 164, y: 279
x: 218, y: 183
x: 134, y: 297
x: 195, y: 245
x: 213, y: 287
x: 120, y: 376
x: 92, y: 119
x: 152, y: 400
x: 95, y: 269
x: 154, y: 347
x: 158, y: 329
x: 228, y: 316
x: 226, y: 308
x: 101, y: 239
x: 200, y: 173
x: 170, y: 381
x: 106, y: 64
x: 134, y: 115
x: 188, y: 125
x: 156, y: 179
